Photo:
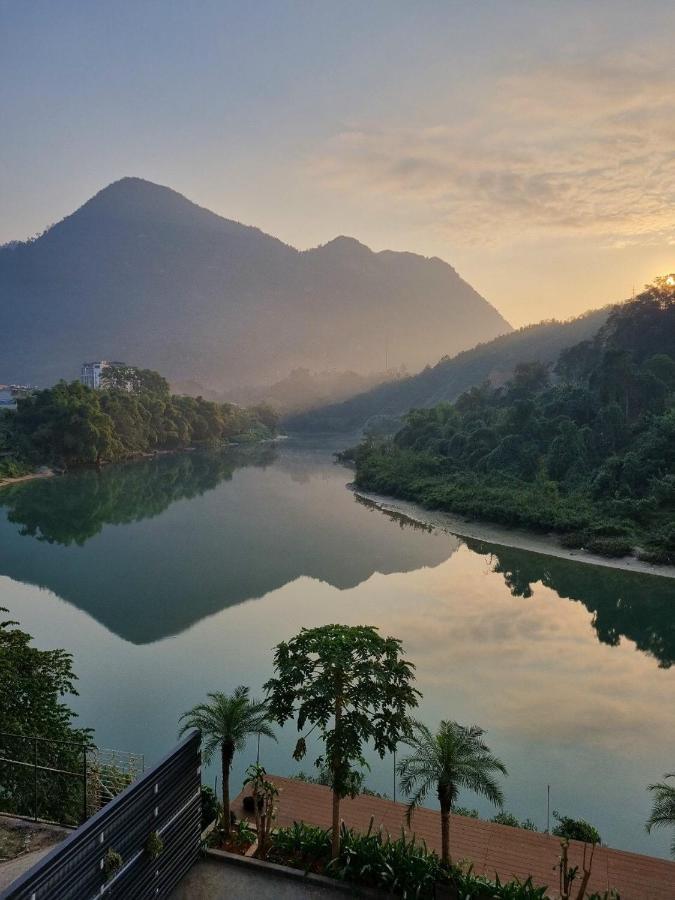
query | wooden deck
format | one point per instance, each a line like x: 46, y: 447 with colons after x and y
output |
x: 493, y: 849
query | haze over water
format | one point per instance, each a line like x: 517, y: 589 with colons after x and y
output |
x: 170, y: 578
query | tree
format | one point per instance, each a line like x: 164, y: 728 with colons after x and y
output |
x: 575, y: 829
x: 32, y: 685
x: 351, y: 684
x: 663, y: 807
x: 226, y: 722
x: 454, y: 757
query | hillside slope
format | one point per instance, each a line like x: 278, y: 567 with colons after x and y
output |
x: 589, y: 454
x: 494, y: 360
x: 141, y: 274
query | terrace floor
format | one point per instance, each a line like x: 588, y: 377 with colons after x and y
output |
x: 22, y: 844
x: 493, y: 849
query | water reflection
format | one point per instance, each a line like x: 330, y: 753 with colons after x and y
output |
x: 125, y: 546
x: 623, y: 604
x: 72, y: 510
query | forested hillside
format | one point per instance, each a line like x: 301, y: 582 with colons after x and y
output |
x: 383, y: 406
x: 70, y: 424
x: 586, y: 449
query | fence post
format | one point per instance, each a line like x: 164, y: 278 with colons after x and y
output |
x: 35, y: 780
x: 84, y: 760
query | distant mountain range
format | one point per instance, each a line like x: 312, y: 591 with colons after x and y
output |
x: 141, y: 274
x: 494, y: 360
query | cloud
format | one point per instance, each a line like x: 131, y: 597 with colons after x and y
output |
x: 585, y: 147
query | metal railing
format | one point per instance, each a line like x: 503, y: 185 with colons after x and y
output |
x: 58, y: 781
x: 43, y: 778
x: 164, y: 804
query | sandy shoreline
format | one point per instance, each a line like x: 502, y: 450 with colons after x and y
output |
x: 506, y: 537
x: 5, y: 482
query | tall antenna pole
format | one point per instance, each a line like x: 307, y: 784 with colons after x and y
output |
x: 548, y: 809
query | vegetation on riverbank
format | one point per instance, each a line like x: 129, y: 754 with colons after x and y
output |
x: 587, y: 450
x: 72, y: 425
x: 33, y: 683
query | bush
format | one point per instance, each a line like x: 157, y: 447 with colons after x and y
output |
x: 507, y: 818
x: 401, y: 867
x: 575, y: 829
x: 464, y: 811
x: 610, y: 546
x: 657, y: 556
x: 210, y: 806
x: 301, y: 846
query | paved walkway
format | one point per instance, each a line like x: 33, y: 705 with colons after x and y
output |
x: 508, y: 852
x: 41, y: 835
x: 211, y: 880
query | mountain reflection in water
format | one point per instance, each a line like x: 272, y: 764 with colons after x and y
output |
x: 150, y: 548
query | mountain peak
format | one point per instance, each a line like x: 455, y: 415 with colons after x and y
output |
x: 141, y: 273
x: 342, y: 244
x: 132, y: 191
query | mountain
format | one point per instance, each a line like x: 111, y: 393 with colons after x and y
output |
x: 494, y: 360
x: 141, y: 274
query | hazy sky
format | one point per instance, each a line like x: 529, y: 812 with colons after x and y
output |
x: 529, y: 144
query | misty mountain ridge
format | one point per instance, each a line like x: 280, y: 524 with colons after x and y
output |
x: 493, y: 361
x: 142, y: 274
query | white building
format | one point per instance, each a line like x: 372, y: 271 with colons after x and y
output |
x: 92, y: 374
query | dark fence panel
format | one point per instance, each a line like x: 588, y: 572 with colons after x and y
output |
x: 166, y: 800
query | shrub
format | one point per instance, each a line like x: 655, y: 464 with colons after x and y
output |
x: 154, y: 845
x: 301, y: 846
x: 507, y: 818
x: 657, y: 556
x: 465, y: 811
x: 402, y: 867
x: 210, y: 806
x: 610, y: 546
x: 112, y: 862
x: 575, y: 829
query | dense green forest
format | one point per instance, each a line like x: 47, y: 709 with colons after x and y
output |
x: 70, y: 424
x: 586, y: 449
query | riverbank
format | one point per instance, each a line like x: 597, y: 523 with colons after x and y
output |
x: 45, y: 472
x: 31, y: 476
x: 545, y: 544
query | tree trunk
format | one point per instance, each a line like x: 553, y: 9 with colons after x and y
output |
x: 335, y: 842
x: 445, y: 832
x: 227, y: 754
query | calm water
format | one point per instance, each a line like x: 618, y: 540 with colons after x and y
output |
x: 170, y: 578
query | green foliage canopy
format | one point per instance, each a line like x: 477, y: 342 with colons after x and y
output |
x: 71, y: 424
x: 351, y: 684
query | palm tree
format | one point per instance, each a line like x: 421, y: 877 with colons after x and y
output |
x: 663, y: 808
x: 453, y: 758
x: 226, y: 722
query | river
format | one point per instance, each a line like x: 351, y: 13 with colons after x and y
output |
x: 173, y: 577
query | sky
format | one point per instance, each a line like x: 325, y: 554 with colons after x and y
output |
x: 529, y: 144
